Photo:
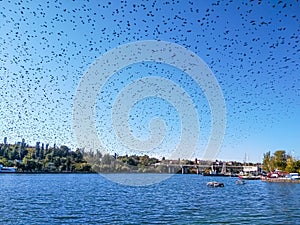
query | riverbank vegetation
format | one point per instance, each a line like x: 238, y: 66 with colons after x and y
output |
x: 280, y: 160
x: 43, y: 158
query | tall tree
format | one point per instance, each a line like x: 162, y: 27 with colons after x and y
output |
x: 42, y: 152
x: 37, y: 149
x: 290, y: 165
x: 267, y: 163
x: 280, y: 160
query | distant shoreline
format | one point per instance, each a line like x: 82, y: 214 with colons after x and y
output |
x: 119, y: 172
x: 48, y: 172
x: 280, y: 180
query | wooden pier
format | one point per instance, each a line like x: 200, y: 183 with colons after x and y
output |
x: 281, y: 180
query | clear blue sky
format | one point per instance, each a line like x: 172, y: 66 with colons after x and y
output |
x: 252, y: 47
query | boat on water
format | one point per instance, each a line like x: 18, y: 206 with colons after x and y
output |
x: 216, y: 175
x: 240, y: 182
x: 214, y: 184
x: 249, y: 177
x: 4, y: 169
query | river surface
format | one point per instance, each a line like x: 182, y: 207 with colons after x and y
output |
x: 181, y: 199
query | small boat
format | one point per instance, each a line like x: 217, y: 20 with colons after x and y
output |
x: 4, y: 169
x: 240, y: 182
x: 249, y: 177
x: 214, y: 184
x: 215, y: 175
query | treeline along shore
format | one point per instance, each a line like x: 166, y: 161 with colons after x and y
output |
x: 43, y: 158
x: 281, y: 161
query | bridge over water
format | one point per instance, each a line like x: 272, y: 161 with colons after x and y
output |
x: 200, y: 168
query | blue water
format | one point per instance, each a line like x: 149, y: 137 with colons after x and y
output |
x: 182, y: 199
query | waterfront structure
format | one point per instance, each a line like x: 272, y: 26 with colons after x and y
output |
x: 7, y: 169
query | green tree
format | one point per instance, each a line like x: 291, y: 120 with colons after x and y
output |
x: 42, y: 151
x: 267, y: 163
x: 280, y: 160
x: 57, y: 162
x: 144, y: 160
x: 68, y: 163
x: 14, y: 154
x: 106, y: 159
x: 3, y: 161
x: 291, y: 165
x: 37, y: 150
x: 64, y: 150
x: 298, y: 166
x: 29, y: 164
x: 79, y: 155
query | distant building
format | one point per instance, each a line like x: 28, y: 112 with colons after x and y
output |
x: 250, y: 169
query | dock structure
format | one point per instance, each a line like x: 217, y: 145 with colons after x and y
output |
x: 281, y: 180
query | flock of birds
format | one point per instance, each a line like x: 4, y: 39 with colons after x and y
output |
x: 252, y: 47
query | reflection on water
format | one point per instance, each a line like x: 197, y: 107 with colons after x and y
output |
x: 182, y: 199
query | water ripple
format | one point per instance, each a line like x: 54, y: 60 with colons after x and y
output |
x: 182, y: 199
